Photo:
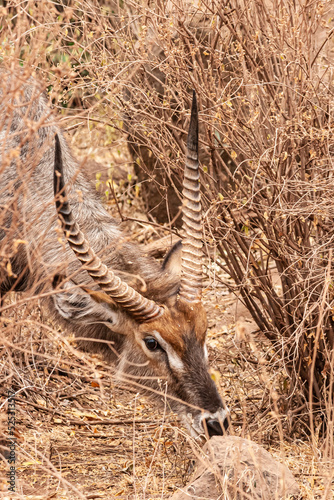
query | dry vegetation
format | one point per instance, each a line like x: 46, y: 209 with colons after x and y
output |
x: 263, y: 74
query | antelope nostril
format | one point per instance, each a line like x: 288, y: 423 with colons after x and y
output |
x: 214, y: 427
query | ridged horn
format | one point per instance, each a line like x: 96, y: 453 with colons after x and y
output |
x: 139, y: 307
x: 191, y: 273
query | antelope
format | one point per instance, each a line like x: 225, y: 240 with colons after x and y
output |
x: 147, y: 319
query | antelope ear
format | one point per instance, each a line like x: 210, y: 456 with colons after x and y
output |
x: 173, y: 262
x: 76, y: 305
x: 59, y: 280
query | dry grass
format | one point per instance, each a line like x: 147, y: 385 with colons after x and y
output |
x: 65, y: 450
x: 264, y: 87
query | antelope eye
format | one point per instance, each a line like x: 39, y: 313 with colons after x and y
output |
x: 152, y: 344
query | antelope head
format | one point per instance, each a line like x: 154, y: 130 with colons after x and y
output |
x: 163, y: 346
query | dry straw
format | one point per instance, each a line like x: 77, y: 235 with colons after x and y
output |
x: 263, y: 75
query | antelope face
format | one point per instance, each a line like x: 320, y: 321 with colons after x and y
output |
x: 166, y: 355
x: 175, y: 355
x: 163, y: 344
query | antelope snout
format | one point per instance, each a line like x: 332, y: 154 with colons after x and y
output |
x: 215, y: 424
x: 207, y: 423
x: 215, y: 427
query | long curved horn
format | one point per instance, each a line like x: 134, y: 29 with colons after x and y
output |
x: 191, y: 274
x: 141, y: 308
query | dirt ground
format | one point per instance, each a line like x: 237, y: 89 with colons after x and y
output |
x: 82, y: 435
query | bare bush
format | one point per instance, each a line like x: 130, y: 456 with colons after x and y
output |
x: 263, y: 74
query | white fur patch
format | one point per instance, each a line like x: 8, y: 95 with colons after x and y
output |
x: 206, y: 355
x: 174, y: 359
